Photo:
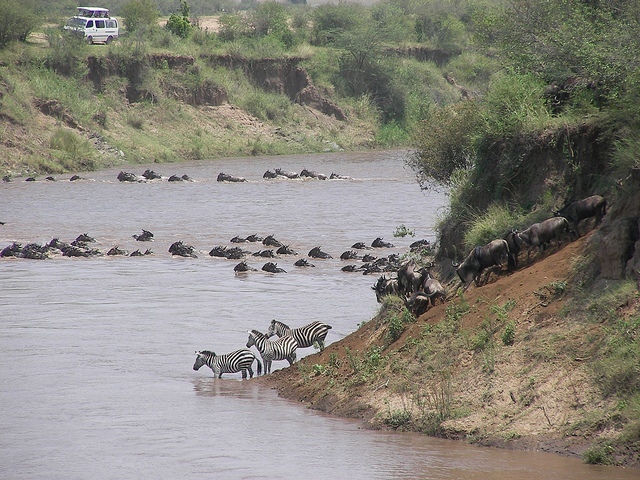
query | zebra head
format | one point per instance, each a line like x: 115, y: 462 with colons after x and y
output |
x: 252, y: 338
x: 273, y: 329
x: 202, y: 358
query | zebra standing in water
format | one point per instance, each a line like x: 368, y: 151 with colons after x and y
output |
x: 240, y: 360
x: 282, y: 349
x: 305, y: 336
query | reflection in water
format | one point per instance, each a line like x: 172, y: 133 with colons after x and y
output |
x: 96, y: 354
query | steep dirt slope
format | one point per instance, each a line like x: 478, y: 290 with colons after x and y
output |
x: 535, y: 395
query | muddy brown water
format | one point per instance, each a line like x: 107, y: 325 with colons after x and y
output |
x: 96, y: 354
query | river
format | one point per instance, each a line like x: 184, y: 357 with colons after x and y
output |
x: 96, y: 354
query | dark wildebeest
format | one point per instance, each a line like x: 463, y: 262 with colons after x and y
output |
x: 282, y: 173
x: 272, y: 268
x: 417, y: 303
x: 493, y: 254
x: 269, y: 174
x: 337, y: 176
x: 286, y: 250
x: 128, y: 177
x: 514, y: 249
x: 349, y: 255
x: 312, y: 174
x: 433, y: 289
x: 593, y: 206
x: 303, y: 262
x: 182, y: 249
x: 539, y: 234
x: 410, y: 277
x: 223, y: 177
x: 379, y: 243
x: 270, y: 241
x: 117, y: 251
x: 385, y: 286
x: 151, y: 175
x: 316, y: 252
x: 243, y: 266
x: 146, y: 236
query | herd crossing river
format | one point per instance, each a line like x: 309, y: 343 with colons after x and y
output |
x: 97, y: 352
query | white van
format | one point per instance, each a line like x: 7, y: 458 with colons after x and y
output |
x: 95, y: 24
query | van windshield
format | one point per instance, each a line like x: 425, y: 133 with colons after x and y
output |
x: 76, y: 22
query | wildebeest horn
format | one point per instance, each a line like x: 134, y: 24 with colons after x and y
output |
x: 454, y: 264
x: 429, y: 265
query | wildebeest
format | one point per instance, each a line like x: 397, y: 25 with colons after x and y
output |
x: 138, y: 253
x: 379, y: 243
x: 254, y: 238
x: 385, y: 286
x: 272, y: 267
x: 269, y: 174
x: 243, y: 266
x: 270, y: 241
x: 593, y: 206
x: 146, y: 236
x: 128, y: 177
x: 303, y: 262
x: 223, y: 177
x: 282, y: 173
x: 286, y: 250
x: 410, y: 276
x: 182, y: 249
x: 117, y: 251
x: 349, y: 255
x: 360, y: 246
x: 514, y: 249
x: 539, y: 234
x: 493, y: 254
x: 312, y: 174
x: 316, y: 252
x: 265, y: 254
x: 337, y: 176
x: 151, y: 175
x: 433, y: 289
x: 417, y: 303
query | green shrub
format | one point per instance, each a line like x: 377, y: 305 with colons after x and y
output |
x: 179, y: 24
x: 509, y: 334
x: 18, y: 21
x: 139, y: 14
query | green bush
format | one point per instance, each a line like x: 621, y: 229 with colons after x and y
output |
x: 17, y: 21
x: 180, y: 25
x: 509, y: 334
x: 138, y: 14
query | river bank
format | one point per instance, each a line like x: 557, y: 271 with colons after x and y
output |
x: 537, y: 394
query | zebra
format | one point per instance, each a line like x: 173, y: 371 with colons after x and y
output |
x: 240, y: 360
x: 282, y: 349
x: 305, y: 336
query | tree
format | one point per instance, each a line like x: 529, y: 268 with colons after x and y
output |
x: 139, y: 14
x: 179, y: 24
x: 16, y: 21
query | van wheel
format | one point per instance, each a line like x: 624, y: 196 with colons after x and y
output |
x: 109, y: 40
x: 90, y: 40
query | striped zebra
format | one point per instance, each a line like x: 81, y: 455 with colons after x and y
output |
x: 305, y: 336
x: 240, y: 360
x: 282, y: 349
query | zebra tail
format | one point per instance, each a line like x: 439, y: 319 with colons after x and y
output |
x: 259, y: 367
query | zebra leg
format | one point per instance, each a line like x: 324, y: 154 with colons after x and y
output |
x: 244, y: 373
x: 291, y: 358
x: 250, y: 372
x: 267, y: 366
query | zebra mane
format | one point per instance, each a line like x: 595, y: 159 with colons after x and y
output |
x: 282, y: 324
x: 256, y: 333
x: 207, y: 353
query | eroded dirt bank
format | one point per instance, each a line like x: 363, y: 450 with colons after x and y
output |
x: 534, y: 394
